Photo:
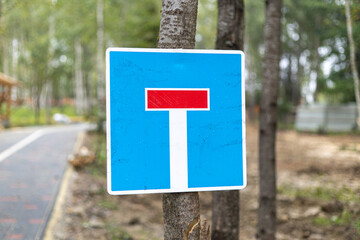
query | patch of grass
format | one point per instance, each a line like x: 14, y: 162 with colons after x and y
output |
x: 345, y: 218
x: 108, y: 204
x: 357, y: 225
x: 322, y: 221
x: 25, y: 116
x: 350, y: 147
x: 116, y: 233
x: 98, y: 145
x: 321, y: 193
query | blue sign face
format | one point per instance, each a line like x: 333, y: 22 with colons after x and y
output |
x: 175, y: 120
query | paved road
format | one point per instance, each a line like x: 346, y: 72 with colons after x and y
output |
x: 32, y: 163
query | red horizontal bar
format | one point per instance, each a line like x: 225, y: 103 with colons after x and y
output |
x: 164, y: 99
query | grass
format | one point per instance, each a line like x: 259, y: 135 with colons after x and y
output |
x: 114, y: 232
x: 321, y: 193
x: 108, y: 204
x: 357, y: 225
x: 344, y: 194
x: 344, y: 218
x: 98, y: 144
x: 25, y: 116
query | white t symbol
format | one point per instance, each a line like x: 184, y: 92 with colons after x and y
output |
x: 177, y: 101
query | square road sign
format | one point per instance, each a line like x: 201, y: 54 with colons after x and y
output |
x: 175, y: 120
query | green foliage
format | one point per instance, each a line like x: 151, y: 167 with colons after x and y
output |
x: 44, y: 52
x: 254, y: 39
x: 206, y: 24
x: 140, y: 23
x: 315, y: 54
x: 314, y: 32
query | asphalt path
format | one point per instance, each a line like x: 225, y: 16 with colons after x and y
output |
x: 32, y: 164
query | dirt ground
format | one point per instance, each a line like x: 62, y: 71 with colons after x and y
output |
x: 318, y: 195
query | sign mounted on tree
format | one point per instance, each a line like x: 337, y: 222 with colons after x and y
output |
x: 175, y: 120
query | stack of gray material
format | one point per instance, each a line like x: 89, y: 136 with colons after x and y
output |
x: 317, y: 117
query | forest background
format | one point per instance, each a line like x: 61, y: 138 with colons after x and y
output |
x: 52, y: 48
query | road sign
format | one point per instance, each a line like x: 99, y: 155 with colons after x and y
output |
x: 175, y: 120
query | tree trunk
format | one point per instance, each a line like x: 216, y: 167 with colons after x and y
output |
x: 100, y: 65
x: 296, y: 88
x: 36, y: 100
x: 231, y: 25
x: 353, y: 58
x: 230, y: 36
x: 266, y: 228
x: 4, y: 45
x: 181, y: 216
x: 79, y: 91
x: 5, y: 57
x: 49, y: 82
x: 48, y: 100
x: 177, y: 30
x: 225, y: 215
x: 15, y: 58
x: 178, y: 24
x: 317, y: 61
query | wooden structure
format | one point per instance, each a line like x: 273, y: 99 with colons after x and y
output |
x: 6, y: 84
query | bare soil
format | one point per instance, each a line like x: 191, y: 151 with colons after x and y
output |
x: 318, y: 195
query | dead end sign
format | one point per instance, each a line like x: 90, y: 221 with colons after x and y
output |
x: 175, y: 120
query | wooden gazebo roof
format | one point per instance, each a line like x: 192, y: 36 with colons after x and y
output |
x: 8, y: 81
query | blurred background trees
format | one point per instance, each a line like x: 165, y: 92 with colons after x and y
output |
x: 51, y: 47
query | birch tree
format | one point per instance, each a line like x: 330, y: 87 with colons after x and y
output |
x: 353, y: 58
x: 79, y: 91
x: 49, y: 81
x: 177, y: 30
x: 266, y: 228
x: 230, y: 36
x: 100, y: 64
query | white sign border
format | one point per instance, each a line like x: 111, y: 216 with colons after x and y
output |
x: 108, y: 117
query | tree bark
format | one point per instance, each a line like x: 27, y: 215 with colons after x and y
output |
x: 178, y: 24
x: 177, y: 30
x: 100, y: 65
x: 266, y: 228
x: 49, y: 81
x: 5, y: 57
x: 231, y: 25
x: 79, y: 91
x: 353, y: 58
x: 225, y: 204
x: 181, y: 216
x: 48, y: 93
x: 225, y: 215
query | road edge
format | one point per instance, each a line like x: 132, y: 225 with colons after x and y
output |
x: 57, y: 213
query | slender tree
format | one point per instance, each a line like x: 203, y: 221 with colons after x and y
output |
x: 266, y: 228
x: 79, y: 91
x: 353, y: 58
x: 48, y: 91
x: 177, y: 30
x: 230, y: 36
x: 100, y: 64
